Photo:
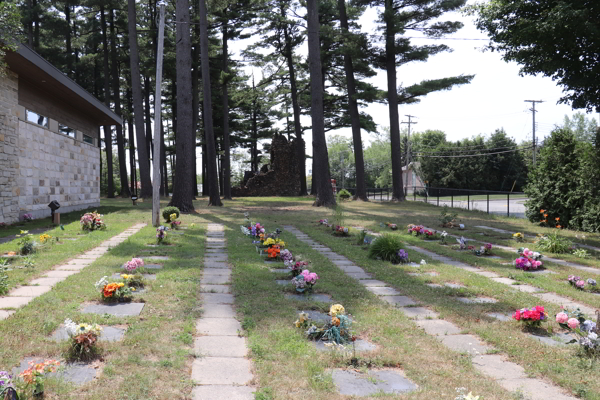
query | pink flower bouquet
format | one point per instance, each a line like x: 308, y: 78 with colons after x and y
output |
x: 135, y: 263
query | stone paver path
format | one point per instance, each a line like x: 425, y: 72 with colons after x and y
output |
x: 509, y: 375
x: 22, y: 295
x: 222, y: 369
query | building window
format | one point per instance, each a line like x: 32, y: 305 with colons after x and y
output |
x: 88, y: 139
x: 65, y: 130
x: 36, y: 118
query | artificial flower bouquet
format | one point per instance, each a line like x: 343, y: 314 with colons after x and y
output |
x: 161, y: 234
x: 528, y: 259
x: 574, y: 319
x: 134, y: 281
x: 83, y: 339
x: 324, y: 222
x: 273, y: 253
x: 174, y: 222
x: 485, y: 250
x: 36, y: 374
x: 305, y: 281
x: 297, y: 267
x: 337, y: 330
x: 44, y: 237
x: 519, y: 237
x: 133, y: 265
x: 462, y: 244
x: 402, y: 256
x: 269, y: 242
x: 531, y: 318
x: 391, y: 226
x: 420, y: 230
x: 580, y: 283
x: 92, y: 221
x: 27, y: 217
x: 113, y: 291
x: 287, y: 257
x: 341, y: 230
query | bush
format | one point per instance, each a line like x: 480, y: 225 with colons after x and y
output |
x: 344, y: 194
x: 386, y: 247
x: 167, y: 211
x: 564, y: 187
x: 553, y: 243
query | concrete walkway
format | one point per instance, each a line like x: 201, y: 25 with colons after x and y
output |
x: 222, y: 369
x: 509, y: 375
x: 22, y: 295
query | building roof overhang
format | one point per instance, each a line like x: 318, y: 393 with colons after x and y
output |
x: 31, y: 67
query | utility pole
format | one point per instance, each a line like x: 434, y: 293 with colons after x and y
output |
x: 533, y: 111
x: 409, y: 122
x: 158, y: 121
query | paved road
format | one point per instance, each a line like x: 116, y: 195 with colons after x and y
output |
x: 516, y: 207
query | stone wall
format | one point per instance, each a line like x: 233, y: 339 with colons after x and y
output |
x: 9, y: 160
x: 55, y: 167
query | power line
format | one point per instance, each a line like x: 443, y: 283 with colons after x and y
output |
x: 476, y: 155
x: 442, y: 150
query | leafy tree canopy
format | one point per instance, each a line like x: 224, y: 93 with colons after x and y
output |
x: 10, y: 24
x: 557, y: 38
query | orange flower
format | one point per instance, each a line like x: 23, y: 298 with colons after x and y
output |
x: 544, y: 220
x: 545, y: 215
x: 109, y: 289
x: 558, y: 226
x: 542, y: 211
x: 335, y: 321
x: 557, y: 218
x: 273, y: 251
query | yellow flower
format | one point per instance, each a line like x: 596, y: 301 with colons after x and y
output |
x: 125, y: 276
x: 173, y: 217
x: 192, y: 225
x: 133, y: 289
x: 297, y: 323
x: 269, y: 242
x: 336, y: 309
x: 24, y: 232
x: 120, y: 284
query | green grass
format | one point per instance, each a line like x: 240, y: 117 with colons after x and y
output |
x: 154, y: 360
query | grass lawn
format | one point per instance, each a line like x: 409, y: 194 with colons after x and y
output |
x: 154, y: 359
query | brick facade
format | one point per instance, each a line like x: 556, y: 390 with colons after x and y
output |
x: 39, y: 164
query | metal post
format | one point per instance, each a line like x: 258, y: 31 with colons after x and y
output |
x: 438, y: 198
x: 452, y: 200
x: 488, y: 203
x: 508, y: 204
x: 414, y: 193
x: 468, y: 201
x: 157, y: 121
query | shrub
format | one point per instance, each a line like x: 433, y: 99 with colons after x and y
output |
x: 553, y: 243
x: 386, y: 247
x: 3, y: 282
x: 344, y: 194
x: 564, y: 182
x: 167, y: 211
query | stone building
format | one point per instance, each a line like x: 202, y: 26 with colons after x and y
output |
x: 48, y: 139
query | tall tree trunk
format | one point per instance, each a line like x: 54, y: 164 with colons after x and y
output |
x: 148, y: 115
x: 254, y: 155
x: 131, y: 146
x: 36, y: 27
x: 313, y: 186
x: 163, y: 162
x: 117, y: 98
x: 196, y: 91
x: 204, y: 178
x: 69, y: 50
x: 226, y: 160
x: 361, y: 190
x: 390, y: 55
x: 324, y: 191
x: 138, y: 108
x: 110, y: 187
x: 301, y: 151
x: 183, y: 191
x: 30, y: 24
x: 211, y: 156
